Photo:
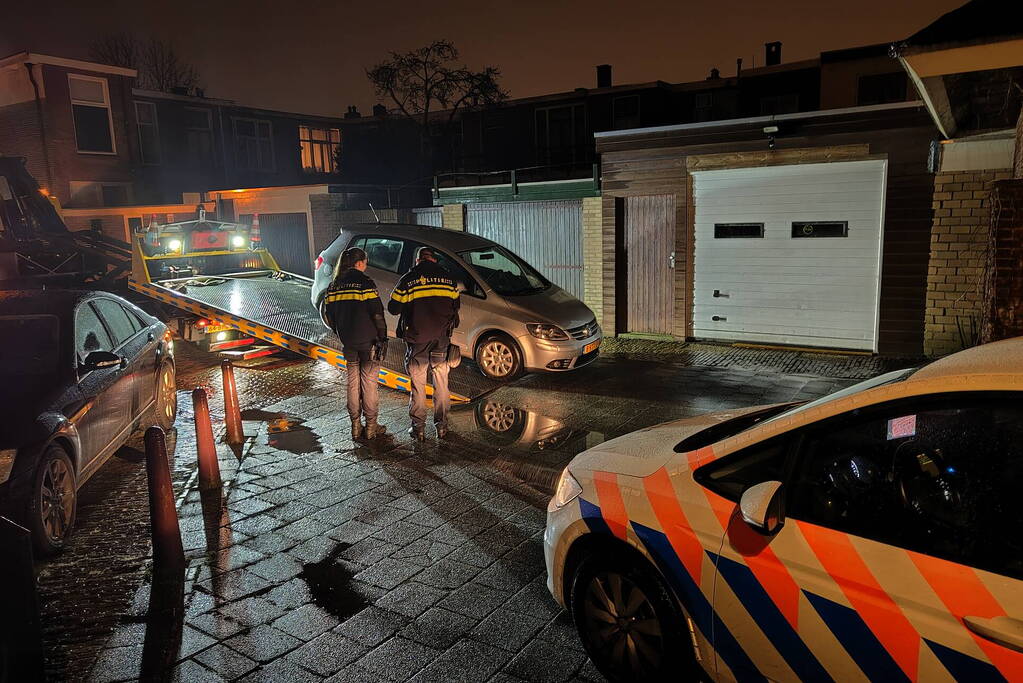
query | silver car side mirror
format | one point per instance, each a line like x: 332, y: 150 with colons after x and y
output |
x: 760, y: 507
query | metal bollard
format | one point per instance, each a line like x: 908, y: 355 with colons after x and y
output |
x: 232, y: 413
x: 168, y: 552
x: 209, y: 466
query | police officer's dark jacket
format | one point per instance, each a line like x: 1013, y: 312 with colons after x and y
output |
x: 354, y: 311
x: 426, y: 299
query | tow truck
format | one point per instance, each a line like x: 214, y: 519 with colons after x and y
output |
x: 224, y: 290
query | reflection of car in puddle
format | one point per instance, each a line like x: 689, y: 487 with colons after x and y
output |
x: 531, y: 447
x: 286, y: 432
x: 508, y: 425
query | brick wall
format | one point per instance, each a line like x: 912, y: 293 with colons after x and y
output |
x: 593, y: 250
x: 958, y: 257
x: 453, y: 216
x: 328, y: 218
x: 1004, y: 304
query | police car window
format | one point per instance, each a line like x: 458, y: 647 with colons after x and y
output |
x: 940, y: 478
x: 382, y: 252
x: 736, y: 472
x: 118, y: 322
x: 90, y: 335
x: 458, y: 272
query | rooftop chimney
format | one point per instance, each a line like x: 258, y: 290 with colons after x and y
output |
x: 738, y: 67
x: 714, y: 75
x: 353, y: 113
x: 603, y: 75
x: 379, y: 110
x: 772, y: 53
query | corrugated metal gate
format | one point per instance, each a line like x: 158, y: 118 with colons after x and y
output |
x: 548, y: 235
x: 649, y: 245
x: 286, y: 236
x: 429, y: 216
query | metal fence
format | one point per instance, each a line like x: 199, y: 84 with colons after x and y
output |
x: 430, y: 215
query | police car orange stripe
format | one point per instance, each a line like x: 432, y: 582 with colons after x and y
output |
x: 962, y: 591
x: 671, y: 517
x: 873, y: 605
x: 611, y: 504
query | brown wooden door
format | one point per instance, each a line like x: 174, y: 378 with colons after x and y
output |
x: 649, y: 250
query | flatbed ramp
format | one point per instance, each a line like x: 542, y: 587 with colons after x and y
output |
x: 273, y: 306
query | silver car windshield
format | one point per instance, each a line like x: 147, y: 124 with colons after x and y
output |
x: 505, y: 272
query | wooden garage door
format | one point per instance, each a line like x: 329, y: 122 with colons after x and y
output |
x: 649, y: 249
x: 789, y: 254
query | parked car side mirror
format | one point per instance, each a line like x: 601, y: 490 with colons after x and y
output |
x: 761, y: 507
x: 98, y: 360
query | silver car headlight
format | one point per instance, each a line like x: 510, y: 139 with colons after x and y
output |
x: 568, y: 490
x: 6, y: 462
x: 548, y: 332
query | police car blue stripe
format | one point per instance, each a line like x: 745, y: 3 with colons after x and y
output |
x: 962, y: 666
x: 857, y: 639
x: 594, y: 520
x: 770, y: 619
x: 699, y: 607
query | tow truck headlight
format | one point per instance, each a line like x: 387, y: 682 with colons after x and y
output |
x: 220, y: 336
x: 568, y: 490
x: 238, y: 241
x: 548, y: 332
x: 174, y: 245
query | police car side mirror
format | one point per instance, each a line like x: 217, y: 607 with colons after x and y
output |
x: 761, y: 507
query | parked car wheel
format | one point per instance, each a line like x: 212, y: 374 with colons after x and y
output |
x: 52, y: 502
x: 498, y: 357
x: 628, y: 621
x: 166, y: 397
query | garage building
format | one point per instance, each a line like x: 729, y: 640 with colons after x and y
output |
x: 810, y: 229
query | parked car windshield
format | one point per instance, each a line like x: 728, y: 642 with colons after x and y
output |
x: 505, y: 272
x: 29, y: 345
x: 730, y: 428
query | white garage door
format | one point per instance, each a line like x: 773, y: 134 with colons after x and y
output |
x: 789, y: 254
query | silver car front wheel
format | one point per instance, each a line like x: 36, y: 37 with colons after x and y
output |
x: 498, y: 358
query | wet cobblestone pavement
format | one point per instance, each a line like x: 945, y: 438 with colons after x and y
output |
x: 326, y: 559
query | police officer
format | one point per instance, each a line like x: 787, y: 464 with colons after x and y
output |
x: 354, y: 311
x: 426, y: 301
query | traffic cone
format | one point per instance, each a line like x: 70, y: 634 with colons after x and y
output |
x: 254, y: 238
x: 153, y: 234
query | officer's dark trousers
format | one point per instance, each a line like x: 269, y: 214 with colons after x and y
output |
x: 363, y: 399
x: 419, y: 359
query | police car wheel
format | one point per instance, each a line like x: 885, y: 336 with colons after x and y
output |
x: 498, y: 357
x: 628, y: 621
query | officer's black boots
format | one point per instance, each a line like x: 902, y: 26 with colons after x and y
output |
x: 374, y: 429
x: 417, y: 434
x: 442, y: 431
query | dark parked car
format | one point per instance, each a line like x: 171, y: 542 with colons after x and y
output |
x: 79, y: 373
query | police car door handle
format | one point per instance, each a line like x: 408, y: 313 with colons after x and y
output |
x: 1005, y: 631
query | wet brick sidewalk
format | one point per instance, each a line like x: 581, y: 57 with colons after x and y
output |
x: 325, y: 559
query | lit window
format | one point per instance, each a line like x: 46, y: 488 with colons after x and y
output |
x: 254, y: 144
x: 149, y: 135
x: 321, y: 148
x: 90, y: 108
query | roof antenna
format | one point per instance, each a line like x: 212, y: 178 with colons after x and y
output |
x: 374, y: 212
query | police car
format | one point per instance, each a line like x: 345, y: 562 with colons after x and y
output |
x: 873, y: 534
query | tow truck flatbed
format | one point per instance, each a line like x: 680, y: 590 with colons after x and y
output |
x: 274, y: 307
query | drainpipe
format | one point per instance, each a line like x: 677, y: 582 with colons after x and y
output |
x: 223, y: 142
x: 42, y: 127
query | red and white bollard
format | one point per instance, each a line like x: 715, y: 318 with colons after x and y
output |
x: 255, y: 240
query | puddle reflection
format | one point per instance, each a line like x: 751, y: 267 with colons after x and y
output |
x: 286, y: 432
x: 330, y: 584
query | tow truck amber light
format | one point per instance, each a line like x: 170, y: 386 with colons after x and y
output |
x: 202, y: 322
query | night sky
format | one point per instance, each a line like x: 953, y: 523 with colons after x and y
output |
x: 310, y: 57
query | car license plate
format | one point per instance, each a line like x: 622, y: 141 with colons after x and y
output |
x: 592, y: 346
x: 210, y: 329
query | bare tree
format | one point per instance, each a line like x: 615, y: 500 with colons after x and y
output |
x: 157, y: 62
x: 427, y: 80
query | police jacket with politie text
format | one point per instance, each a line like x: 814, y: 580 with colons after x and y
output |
x: 426, y: 299
x: 354, y: 311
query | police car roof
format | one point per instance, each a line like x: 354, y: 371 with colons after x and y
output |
x: 998, y: 358
x: 450, y: 240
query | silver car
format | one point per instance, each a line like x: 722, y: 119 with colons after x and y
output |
x: 513, y: 319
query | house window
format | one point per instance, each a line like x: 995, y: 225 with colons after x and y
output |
x: 321, y: 148
x: 253, y: 145
x: 561, y: 134
x: 90, y: 108
x: 199, y: 137
x: 625, y: 112
x: 149, y: 135
x: 881, y: 88
x: 703, y: 106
